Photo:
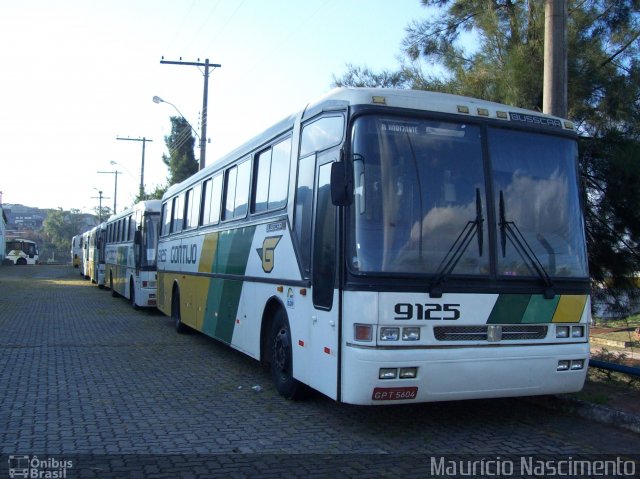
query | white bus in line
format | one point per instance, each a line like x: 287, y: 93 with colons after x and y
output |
x: 130, y: 253
x: 390, y: 246
x: 84, y: 268
x: 21, y: 251
x: 76, y: 250
x: 96, y: 254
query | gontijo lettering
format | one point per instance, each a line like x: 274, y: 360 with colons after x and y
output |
x: 184, y: 254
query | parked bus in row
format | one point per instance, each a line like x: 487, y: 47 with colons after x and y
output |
x: 76, y: 250
x: 21, y: 251
x: 85, y: 271
x: 130, y: 253
x: 386, y: 246
x: 96, y: 254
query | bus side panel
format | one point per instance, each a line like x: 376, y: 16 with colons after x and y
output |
x: 232, y: 249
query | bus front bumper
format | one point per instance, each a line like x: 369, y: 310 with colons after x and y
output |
x: 446, y: 374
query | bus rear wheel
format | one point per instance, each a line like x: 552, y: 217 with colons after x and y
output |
x: 181, y: 328
x: 113, y: 291
x: 281, y: 358
x: 132, y: 294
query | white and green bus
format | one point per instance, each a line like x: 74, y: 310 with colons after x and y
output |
x: 21, y: 251
x: 130, y: 253
x: 388, y: 246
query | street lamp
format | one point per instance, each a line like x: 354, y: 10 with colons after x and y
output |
x: 100, y: 197
x: 157, y: 99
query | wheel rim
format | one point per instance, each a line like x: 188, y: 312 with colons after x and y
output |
x: 281, y: 351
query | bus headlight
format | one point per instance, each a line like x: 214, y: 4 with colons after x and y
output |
x: 389, y: 334
x: 388, y: 373
x: 562, y: 331
x: 577, y: 331
x: 411, y: 334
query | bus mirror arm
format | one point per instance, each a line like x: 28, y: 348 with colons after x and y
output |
x: 341, y: 184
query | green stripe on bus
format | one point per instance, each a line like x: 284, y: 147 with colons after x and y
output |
x: 523, y: 309
x: 540, y: 310
x: 509, y: 309
x: 223, y: 296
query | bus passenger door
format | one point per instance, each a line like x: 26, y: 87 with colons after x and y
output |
x: 325, y: 314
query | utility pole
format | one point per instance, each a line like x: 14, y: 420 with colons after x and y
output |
x: 205, y: 100
x: 100, y: 197
x: 115, y: 189
x: 554, y: 98
x: 144, y: 141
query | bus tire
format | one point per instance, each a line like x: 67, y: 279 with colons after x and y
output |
x: 21, y: 261
x: 113, y: 291
x: 181, y: 328
x: 281, y: 358
x: 132, y: 294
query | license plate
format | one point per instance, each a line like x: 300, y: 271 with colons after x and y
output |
x: 394, y: 394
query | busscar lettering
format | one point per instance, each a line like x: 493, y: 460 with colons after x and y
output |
x: 184, y: 254
x: 427, y: 311
x: 535, y: 120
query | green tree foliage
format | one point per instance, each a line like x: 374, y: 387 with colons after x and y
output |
x: 57, y: 230
x: 504, y: 62
x: 181, y: 159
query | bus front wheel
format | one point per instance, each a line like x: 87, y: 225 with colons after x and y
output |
x: 281, y: 358
x: 21, y: 261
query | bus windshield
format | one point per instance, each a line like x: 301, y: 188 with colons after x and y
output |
x: 150, y: 239
x: 420, y: 188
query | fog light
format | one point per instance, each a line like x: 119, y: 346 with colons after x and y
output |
x: 389, y: 334
x: 408, y: 373
x: 577, y: 331
x: 562, y: 331
x: 563, y: 365
x: 410, y: 334
x: 363, y: 332
x: 388, y: 373
x: 577, y: 364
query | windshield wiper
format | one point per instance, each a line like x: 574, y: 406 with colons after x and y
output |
x: 457, y: 249
x: 509, y: 230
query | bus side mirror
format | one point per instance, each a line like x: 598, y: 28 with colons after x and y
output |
x: 341, y: 184
x: 137, y: 237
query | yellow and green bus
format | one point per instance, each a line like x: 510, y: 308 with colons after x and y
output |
x: 131, y: 240
x: 389, y: 246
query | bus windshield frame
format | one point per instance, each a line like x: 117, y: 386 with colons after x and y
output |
x: 426, y: 200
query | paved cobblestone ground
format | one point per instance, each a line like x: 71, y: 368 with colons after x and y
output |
x: 85, y: 378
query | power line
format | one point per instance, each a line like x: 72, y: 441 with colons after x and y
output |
x: 205, y: 99
x: 144, y: 141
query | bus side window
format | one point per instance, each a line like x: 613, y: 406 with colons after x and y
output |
x: 192, y: 207
x: 176, y: 221
x: 237, y: 191
x: 166, y: 218
x: 271, y: 177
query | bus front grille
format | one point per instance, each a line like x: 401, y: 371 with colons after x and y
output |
x: 498, y: 333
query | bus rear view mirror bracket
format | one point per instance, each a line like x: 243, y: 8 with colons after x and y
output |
x: 341, y: 184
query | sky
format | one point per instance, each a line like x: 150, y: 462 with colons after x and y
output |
x: 78, y: 74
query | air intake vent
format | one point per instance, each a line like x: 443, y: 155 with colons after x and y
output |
x: 480, y: 333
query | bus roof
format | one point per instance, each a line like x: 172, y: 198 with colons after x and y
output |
x: 147, y: 205
x: 341, y: 98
